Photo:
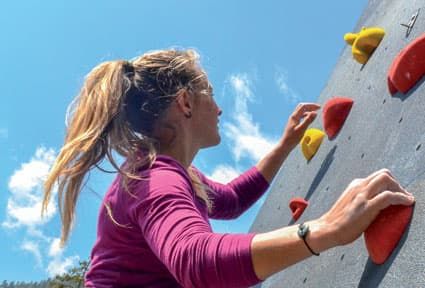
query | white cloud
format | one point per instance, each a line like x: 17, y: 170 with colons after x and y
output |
x: 224, y: 174
x: 59, y: 266
x: 241, y: 86
x: 36, y: 233
x: 242, y: 131
x: 247, y: 139
x: 24, y: 211
x: 25, y: 214
x: 26, y: 188
x: 4, y: 133
x: 281, y: 78
x: 55, y: 248
x: 34, y: 249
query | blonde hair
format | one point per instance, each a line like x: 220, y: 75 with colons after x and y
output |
x: 116, y: 110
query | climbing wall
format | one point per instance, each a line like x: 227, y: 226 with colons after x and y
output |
x: 381, y: 130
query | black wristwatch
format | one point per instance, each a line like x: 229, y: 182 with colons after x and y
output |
x: 303, y: 230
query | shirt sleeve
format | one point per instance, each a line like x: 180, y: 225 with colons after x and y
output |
x: 183, y: 240
x: 232, y: 199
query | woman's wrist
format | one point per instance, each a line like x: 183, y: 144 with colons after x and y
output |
x: 321, y: 236
x: 284, y: 146
x: 275, y: 250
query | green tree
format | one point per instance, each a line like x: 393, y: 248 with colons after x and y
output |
x: 73, y: 278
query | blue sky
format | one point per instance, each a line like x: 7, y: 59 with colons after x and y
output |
x: 263, y: 57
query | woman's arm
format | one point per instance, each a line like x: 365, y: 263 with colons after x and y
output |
x: 271, y: 163
x: 182, y: 239
x: 232, y: 199
x: 276, y: 250
x: 351, y: 214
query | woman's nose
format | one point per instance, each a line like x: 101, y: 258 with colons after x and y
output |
x: 219, y: 111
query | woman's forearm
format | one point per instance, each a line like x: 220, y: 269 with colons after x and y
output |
x: 273, y: 251
x: 271, y: 163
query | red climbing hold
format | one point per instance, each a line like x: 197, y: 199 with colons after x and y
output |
x: 297, y: 206
x: 335, y: 112
x: 383, y: 235
x: 408, y: 67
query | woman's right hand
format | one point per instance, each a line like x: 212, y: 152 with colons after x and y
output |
x: 361, y: 202
x: 348, y: 218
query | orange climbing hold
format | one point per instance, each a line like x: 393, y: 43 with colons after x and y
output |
x: 364, y: 43
x: 408, y: 67
x: 311, y: 142
x: 335, y: 111
x: 383, y: 235
x: 297, y: 206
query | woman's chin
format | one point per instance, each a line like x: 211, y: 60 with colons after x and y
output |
x: 218, y: 138
x: 213, y: 142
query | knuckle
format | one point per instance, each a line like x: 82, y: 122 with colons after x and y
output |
x: 357, y: 182
x: 361, y: 198
x: 360, y: 202
x: 386, y: 171
x: 384, y: 178
x: 387, y: 197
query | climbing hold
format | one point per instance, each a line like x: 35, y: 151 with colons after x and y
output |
x: 335, y: 112
x: 364, y: 43
x: 408, y: 67
x: 311, y: 141
x: 383, y: 235
x: 297, y: 206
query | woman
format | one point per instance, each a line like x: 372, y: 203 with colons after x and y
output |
x: 158, y: 111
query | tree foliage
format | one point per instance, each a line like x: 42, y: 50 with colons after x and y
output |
x: 74, y: 278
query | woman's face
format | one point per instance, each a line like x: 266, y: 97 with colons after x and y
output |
x: 205, y: 116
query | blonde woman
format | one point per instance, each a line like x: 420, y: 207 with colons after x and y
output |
x: 158, y: 111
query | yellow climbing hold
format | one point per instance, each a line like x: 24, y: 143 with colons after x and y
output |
x: 311, y: 141
x: 364, y: 43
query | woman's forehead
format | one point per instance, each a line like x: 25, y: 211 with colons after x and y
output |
x: 204, y: 83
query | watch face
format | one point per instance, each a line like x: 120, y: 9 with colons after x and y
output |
x: 302, y: 233
x: 302, y: 230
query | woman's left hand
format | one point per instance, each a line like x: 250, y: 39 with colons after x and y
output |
x: 298, y: 122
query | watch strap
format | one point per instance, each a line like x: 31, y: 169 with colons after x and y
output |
x: 303, y: 231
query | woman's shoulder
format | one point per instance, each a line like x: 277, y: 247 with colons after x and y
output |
x: 164, y: 173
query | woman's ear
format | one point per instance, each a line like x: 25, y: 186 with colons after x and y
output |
x: 185, y: 102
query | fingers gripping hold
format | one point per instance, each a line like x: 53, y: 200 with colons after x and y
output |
x: 302, y: 110
x: 382, y: 181
x: 376, y: 173
x: 387, y: 198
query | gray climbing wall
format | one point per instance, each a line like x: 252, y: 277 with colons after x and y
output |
x: 381, y: 131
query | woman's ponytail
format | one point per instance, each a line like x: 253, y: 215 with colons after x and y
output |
x: 86, y: 141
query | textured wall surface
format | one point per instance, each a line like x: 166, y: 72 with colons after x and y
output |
x: 381, y: 131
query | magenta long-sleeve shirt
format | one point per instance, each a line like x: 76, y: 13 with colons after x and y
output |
x: 164, y: 238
